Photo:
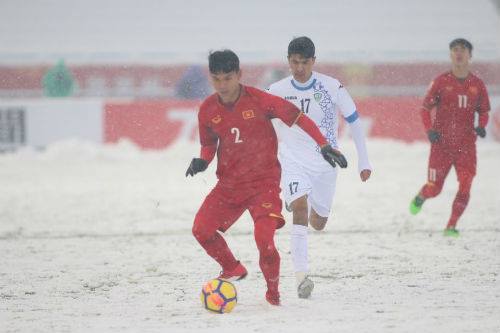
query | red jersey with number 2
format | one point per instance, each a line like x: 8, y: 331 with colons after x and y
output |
x: 456, y: 101
x: 247, y: 143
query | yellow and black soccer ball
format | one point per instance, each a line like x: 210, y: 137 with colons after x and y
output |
x: 218, y: 296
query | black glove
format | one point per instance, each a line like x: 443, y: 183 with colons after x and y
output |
x: 333, y: 156
x: 433, y: 135
x: 481, y: 131
x: 197, y: 165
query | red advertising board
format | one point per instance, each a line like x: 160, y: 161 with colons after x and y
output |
x: 392, y: 117
x: 151, y: 124
x: 158, y: 124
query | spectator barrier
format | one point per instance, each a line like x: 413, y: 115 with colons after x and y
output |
x: 157, y: 124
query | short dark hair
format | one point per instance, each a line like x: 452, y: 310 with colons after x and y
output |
x: 303, y: 46
x: 223, y: 61
x: 461, y: 41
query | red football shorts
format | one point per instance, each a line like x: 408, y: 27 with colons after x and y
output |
x: 224, y: 205
x: 442, y: 159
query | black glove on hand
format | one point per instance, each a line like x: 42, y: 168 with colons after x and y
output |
x: 433, y: 136
x: 480, y: 131
x: 197, y: 165
x: 332, y: 156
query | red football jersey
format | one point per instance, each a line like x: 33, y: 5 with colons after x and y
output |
x: 457, y: 101
x: 247, y: 143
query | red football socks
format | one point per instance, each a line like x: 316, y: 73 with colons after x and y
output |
x: 430, y: 190
x: 269, y: 257
x: 459, y: 204
x: 217, y: 248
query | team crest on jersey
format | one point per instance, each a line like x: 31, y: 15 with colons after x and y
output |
x: 267, y: 205
x: 317, y: 96
x: 473, y: 90
x: 216, y: 119
x: 248, y: 114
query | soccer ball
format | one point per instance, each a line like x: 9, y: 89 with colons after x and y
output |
x: 218, y: 296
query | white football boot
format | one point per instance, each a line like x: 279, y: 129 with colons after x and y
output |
x: 305, y: 285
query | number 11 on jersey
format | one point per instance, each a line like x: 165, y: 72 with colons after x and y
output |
x: 462, y: 101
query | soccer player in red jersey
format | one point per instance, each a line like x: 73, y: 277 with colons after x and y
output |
x: 235, y: 123
x: 457, y: 96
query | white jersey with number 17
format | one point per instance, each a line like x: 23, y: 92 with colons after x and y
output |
x: 321, y: 98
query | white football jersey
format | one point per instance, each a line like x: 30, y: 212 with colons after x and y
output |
x: 321, y: 98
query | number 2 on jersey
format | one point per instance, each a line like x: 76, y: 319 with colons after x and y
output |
x: 236, y: 132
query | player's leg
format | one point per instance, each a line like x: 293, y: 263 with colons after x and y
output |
x: 296, y: 187
x: 265, y: 209
x: 213, y: 216
x: 298, y: 236
x: 299, y: 246
x: 439, y: 166
x: 321, y: 198
x: 317, y: 221
x: 465, y: 166
x: 269, y: 258
x: 319, y: 203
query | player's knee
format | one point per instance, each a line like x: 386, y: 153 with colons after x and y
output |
x: 463, y: 198
x: 432, y: 189
x: 264, y: 236
x: 201, y: 231
x: 464, y: 191
x: 197, y: 232
x: 267, y: 251
x: 436, y: 188
x: 318, y: 224
x: 264, y: 239
x: 317, y: 221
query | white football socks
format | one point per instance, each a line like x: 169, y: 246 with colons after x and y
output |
x: 299, y: 251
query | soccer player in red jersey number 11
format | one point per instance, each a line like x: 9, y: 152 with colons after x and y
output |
x: 457, y: 96
x: 235, y: 123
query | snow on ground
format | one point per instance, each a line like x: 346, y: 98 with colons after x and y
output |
x: 97, y: 239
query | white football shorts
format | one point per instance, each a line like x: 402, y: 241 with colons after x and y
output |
x: 297, y: 181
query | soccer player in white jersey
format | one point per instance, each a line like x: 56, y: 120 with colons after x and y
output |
x: 307, y: 181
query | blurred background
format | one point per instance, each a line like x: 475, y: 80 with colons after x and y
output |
x: 103, y: 71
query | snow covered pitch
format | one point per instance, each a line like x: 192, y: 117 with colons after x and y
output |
x: 98, y: 239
